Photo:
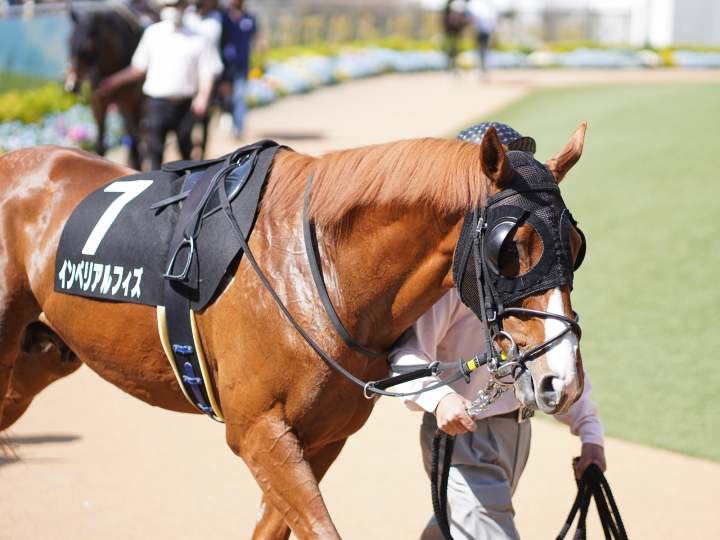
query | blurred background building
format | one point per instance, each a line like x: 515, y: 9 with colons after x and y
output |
x: 33, y: 36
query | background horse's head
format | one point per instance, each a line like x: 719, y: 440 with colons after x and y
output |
x: 514, y: 267
x: 100, y: 44
x: 84, y: 47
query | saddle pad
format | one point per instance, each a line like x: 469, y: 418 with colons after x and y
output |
x: 115, y: 247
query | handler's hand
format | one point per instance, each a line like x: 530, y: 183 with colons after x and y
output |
x: 591, y: 453
x: 108, y: 85
x: 199, y: 106
x: 451, y: 415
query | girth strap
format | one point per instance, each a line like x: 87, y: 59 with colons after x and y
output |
x: 184, y: 339
x: 177, y: 295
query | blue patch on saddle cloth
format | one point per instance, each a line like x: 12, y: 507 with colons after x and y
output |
x: 115, y: 247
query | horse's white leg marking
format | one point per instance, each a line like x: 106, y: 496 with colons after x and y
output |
x: 562, y: 355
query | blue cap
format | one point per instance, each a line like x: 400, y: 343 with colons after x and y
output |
x: 507, y: 135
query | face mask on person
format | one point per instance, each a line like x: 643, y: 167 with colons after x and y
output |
x: 172, y: 14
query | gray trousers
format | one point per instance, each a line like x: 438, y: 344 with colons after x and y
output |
x: 486, y: 468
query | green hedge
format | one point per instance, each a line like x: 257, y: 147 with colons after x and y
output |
x: 30, y: 106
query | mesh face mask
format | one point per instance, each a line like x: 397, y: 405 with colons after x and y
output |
x: 531, y: 198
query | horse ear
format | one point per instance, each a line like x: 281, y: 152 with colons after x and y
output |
x: 73, y: 16
x: 494, y: 162
x: 564, y: 160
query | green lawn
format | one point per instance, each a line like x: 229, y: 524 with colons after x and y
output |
x: 16, y: 81
x: 647, y: 195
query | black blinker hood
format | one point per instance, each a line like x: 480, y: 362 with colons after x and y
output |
x: 532, y: 197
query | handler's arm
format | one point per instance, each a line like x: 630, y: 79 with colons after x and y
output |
x: 116, y: 80
x: 202, y: 99
x: 584, y: 422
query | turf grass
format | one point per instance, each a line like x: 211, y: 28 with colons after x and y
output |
x: 647, y: 195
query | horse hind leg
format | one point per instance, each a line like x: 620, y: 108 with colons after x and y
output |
x: 42, y: 359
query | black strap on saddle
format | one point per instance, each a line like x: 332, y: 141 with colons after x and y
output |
x: 593, y: 484
x: 178, y: 290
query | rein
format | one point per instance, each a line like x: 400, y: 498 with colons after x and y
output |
x: 593, y: 484
x: 374, y: 387
x: 409, y: 373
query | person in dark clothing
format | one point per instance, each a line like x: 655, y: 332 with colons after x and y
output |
x: 238, y: 37
x: 455, y: 19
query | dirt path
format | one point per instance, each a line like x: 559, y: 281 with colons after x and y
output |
x: 97, y: 464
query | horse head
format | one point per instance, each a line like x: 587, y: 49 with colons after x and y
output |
x: 101, y: 44
x: 514, y: 267
x: 84, y: 51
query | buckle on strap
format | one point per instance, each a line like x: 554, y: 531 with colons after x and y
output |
x: 182, y: 349
x: 182, y: 276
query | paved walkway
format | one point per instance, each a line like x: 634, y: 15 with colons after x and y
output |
x: 97, y: 464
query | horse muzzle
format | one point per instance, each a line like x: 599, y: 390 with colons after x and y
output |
x: 71, y: 82
x: 539, y: 387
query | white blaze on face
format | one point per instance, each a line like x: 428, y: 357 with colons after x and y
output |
x: 70, y: 80
x: 562, y: 354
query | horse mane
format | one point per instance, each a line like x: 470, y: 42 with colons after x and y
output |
x: 438, y: 173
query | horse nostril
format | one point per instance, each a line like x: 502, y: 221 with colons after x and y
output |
x: 547, y: 392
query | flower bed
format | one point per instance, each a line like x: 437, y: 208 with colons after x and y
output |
x: 303, y: 73
x: 696, y: 59
x: 73, y: 127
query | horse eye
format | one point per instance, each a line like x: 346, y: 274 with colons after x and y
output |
x: 510, y: 248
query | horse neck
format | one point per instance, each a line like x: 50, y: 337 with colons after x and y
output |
x: 390, y: 267
x: 117, y: 44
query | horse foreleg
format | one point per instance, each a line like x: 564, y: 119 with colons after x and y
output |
x: 277, y: 460
x: 270, y: 522
x: 130, y: 101
x: 99, y: 106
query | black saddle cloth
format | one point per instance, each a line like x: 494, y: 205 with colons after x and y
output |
x: 115, y: 244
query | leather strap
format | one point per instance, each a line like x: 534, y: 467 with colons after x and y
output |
x: 177, y: 293
x: 316, y: 269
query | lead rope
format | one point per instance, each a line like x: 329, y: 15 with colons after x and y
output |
x: 439, y: 493
x: 593, y: 484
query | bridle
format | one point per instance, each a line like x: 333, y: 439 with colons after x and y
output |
x: 487, y: 237
x: 494, y: 311
x: 500, y: 364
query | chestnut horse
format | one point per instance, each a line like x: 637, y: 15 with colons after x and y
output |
x: 101, y: 44
x: 388, y: 218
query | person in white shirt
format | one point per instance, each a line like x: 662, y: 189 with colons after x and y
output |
x: 492, y: 448
x: 179, y: 66
x: 483, y: 17
x: 203, y: 18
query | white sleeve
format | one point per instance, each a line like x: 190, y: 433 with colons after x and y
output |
x: 210, y: 63
x: 141, y: 56
x: 421, y: 349
x: 583, y: 418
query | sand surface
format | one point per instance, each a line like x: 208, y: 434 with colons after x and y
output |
x: 98, y: 464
